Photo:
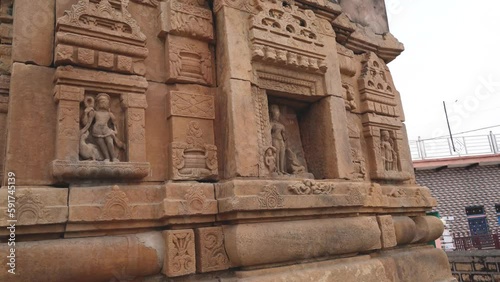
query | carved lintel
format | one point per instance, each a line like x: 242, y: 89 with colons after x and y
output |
x: 131, y: 100
x: 68, y: 93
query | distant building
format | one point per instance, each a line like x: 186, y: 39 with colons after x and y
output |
x: 467, y: 190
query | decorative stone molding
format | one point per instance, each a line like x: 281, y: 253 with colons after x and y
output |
x: 102, y: 35
x: 69, y: 170
x: 192, y: 105
x: 283, y: 34
x: 211, y: 254
x: 186, y: 19
x: 249, y: 6
x: 180, y: 257
x: 152, y: 3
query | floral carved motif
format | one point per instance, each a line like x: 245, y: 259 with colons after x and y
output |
x: 30, y: 209
x: 116, y: 205
x: 180, y: 257
x: 212, y: 253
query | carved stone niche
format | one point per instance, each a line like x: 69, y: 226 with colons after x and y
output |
x: 192, y: 153
x: 384, y: 138
x: 101, y: 34
x: 101, y: 125
x: 292, y: 138
x: 376, y: 89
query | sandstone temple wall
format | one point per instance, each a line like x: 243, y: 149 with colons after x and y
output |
x: 193, y: 140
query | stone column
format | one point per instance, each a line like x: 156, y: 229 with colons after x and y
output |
x: 135, y: 105
x: 68, y: 128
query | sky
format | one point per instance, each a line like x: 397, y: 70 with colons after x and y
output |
x: 452, y: 54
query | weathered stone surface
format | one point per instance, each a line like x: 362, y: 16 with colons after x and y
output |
x: 261, y: 243
x: 265, y: 139
x: 87, y: 259
x: 33, y: 38
x: 369, y: 14
x: 36, y: 209
x: 27, y: 97
x: 157, y: 139
x: 386, y: 226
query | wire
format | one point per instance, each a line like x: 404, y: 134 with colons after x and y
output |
x: 468, y: 131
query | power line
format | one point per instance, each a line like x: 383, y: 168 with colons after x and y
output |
x: 469, y: 131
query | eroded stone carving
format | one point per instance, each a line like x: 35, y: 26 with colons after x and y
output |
x: 101, y: 123
x: 311, y: 187
x: 31, y: 209
x: 6, y: 9
x: 350, y: 103
x: 388, y: 152
x: 101, y: 34
x: 269, y: 198
x: 116, y: 205
x: 152, y: 3
x: 188, y: 19
x: 194, y: 159
x: 195, y: 201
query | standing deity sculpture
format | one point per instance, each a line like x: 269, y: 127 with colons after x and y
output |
x: 278, y: 136
x: 99, y: 122
x: 389, y: 155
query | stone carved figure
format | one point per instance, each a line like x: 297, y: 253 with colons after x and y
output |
x: 389, y: 155
x: 278, y: 136
x: 100, y: 122
x: 270, y: 159
x: 279, y: 158
x: 293, y: 163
